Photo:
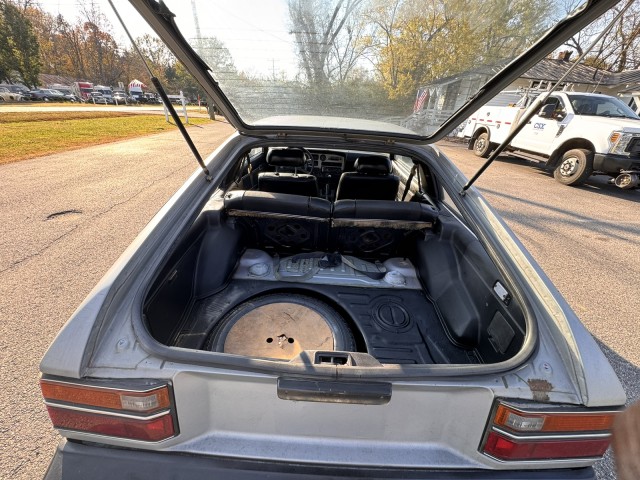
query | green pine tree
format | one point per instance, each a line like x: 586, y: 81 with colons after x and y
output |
x: 19, y: 51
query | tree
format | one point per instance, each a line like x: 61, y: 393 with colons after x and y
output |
x: 419, y: 41
x: 619, y: 50
x: 316, y: 25
x: 217, y: 56
x: 348, y: 48
x: 19, y: 53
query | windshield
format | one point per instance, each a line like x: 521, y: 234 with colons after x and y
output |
x: 406, y: 62
x: 601, y: 106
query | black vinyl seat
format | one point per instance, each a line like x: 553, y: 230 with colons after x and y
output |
x: 278, y: 221
x: 379, y: 228
x: 372, y: 180
x: 287, y: 182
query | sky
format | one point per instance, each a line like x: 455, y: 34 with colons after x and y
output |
x: 269, y: 52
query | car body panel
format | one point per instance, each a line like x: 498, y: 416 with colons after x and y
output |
x: 76, y: 461
x: 566, y: 366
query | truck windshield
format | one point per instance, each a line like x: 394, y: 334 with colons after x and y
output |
x: 601, y: 106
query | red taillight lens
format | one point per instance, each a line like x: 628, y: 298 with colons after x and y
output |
x: 516, y: 433
x: 504, y: 448
x: 150, y: 430
x: 143, y: 413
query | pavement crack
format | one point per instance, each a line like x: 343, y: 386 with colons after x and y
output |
x: 61, y: 213
x: 88, y: 219
x: 35, y: 254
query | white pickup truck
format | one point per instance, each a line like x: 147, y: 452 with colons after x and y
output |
x: 575, y: 134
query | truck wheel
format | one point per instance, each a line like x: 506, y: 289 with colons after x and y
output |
x: 575, y: 167
x: 482, y: 145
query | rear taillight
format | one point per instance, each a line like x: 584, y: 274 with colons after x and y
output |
x: 516, y: 433
x: 138, y: 413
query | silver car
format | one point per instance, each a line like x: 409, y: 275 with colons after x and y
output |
x: 323, y: 298
x: 7, y: 95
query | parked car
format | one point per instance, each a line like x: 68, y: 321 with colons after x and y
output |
x: 149, y: 97
x: 107, y: 92
x: 66, y: 91
x: 324, y: 299
x: 58, y: 96
x: 7, y: 95
x: 47, y: 95
x: 15, y: 88
x: 574, y: 134
x: 122, y: 97
x: 97, y: 97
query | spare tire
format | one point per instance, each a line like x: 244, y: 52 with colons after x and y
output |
x: 280, y: 326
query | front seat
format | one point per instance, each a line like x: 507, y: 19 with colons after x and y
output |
x: 372, y: 180
x: 293, y: 183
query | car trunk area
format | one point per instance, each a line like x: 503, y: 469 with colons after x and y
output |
x: 252, y: 280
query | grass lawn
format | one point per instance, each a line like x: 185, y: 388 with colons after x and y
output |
x: 33, y: 134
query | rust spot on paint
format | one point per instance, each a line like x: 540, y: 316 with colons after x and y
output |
x: 540, y: 389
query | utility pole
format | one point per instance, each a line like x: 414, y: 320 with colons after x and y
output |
x: 197, y: 25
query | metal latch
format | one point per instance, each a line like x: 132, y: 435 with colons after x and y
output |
x: 332, y: 358
x: 502, y: 292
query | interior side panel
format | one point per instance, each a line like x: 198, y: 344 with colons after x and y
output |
x: 460, y: 277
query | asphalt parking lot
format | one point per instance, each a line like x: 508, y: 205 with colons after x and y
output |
x: 65, y: 218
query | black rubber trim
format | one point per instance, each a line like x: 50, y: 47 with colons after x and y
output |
x: 77, y: 461
x: 334, y: 392
x: 610, y: 163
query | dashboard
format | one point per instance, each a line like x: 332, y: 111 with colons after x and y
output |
x: 328, y: 162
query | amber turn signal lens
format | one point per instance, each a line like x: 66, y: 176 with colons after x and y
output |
x: 522, y: 421
x: 94, y: 396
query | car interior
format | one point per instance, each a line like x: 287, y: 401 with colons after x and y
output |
x: 325, y: 250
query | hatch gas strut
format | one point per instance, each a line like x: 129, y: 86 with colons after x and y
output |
x: 168, y: 105
x: 541, y: 100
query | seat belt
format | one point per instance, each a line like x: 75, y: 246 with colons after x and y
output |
x: 407, y: 185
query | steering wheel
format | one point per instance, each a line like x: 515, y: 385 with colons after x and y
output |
x: 308, y: 160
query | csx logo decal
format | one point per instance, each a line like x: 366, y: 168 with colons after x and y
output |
x: 539, y: 126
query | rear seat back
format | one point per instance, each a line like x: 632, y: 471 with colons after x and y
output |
x: 280, y: 222
x: 378, y: 228
x: 282, y: 182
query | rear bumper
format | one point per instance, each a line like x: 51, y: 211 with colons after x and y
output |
x: 79, y: 461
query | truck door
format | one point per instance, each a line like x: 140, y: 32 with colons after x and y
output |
x: 538, y: 135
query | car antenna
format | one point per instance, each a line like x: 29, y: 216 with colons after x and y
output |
x: 168, y: 105
x: 541, y: 100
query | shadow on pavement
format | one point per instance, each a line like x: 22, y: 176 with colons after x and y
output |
x: 540, y: 221
x: 597, y: 184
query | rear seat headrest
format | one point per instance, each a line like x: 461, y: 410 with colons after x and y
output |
x: 373, y: 164
x: 286, y: 157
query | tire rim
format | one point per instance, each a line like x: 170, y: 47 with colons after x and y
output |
x: 569, y: 167
x: 480, y: 143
